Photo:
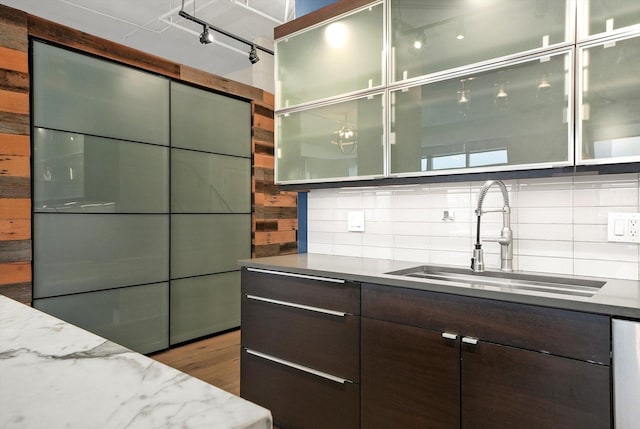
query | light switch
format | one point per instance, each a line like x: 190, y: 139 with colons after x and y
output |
x: 618, y: 228
x: 624, y: 227
x: 355, y: 221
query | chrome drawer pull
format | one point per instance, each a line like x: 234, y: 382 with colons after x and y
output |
x: 470, y: 340
x: 449, y: 336
x: 299, y: 306
x: 299, y: 367
x: 300, y: 276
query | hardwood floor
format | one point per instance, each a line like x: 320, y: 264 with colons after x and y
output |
x: 215, y: 360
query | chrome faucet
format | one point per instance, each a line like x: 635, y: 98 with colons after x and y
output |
x: 506, y: 236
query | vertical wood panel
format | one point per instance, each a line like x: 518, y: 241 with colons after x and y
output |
x: 15, y: 151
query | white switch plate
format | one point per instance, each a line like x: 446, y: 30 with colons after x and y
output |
x: 355, y: 221
x: 624, y: 227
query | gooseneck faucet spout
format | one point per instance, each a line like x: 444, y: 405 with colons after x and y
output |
x: 506, y: 236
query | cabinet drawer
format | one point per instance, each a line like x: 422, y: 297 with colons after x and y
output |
x: 332, y: 294
x: 567, y: 333
x: 326, y: 342
x: 298, y: 399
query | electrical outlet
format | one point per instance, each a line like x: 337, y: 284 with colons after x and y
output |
x: 624, y: 227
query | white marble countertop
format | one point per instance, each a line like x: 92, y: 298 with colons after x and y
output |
x: 56, y: 375
x: 615, y: 298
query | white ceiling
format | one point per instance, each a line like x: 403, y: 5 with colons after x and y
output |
x: 154, y: 26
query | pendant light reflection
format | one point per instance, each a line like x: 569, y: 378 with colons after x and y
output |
x: 346, y: 138
x: 419, y: 40
x: 463, y: 98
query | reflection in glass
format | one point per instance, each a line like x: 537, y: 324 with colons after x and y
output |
x: 204, y: 305
x: 84, y: 252
x: 607, y: 16
x: 206, y: 244
x: 433, y: 36
x: 610, y: 113
x: 208, y: 183
x: 490, y: 118
x: 336, y: 58
x: 134, y: 317
x: 77, y: 173
x: 336, y: 141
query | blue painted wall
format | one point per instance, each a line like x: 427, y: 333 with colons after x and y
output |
x: 303, y: 7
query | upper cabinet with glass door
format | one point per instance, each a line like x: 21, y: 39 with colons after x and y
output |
x: 431, y: 36
x: 609, y: 101
x: 337, y: 57
x: 598, y: 18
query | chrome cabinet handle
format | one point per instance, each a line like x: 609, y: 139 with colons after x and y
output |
x: 299, y: 367
x: 298, y: 306
x: 470, y: 340
x: 300, y: 276
x: 449, y: 336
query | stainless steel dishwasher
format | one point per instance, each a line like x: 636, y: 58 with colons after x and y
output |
x: 626, y: 373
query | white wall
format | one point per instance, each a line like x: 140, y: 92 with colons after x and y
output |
x: 559, y: 224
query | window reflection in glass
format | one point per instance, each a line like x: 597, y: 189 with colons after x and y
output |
x: 515, y: 115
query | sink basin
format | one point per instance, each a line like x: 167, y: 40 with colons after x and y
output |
x: 505, y: 281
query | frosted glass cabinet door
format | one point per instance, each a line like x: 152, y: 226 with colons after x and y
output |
x: 206, y: 244
x: 204, y: 305
x: 84, y: 252
x: 598, y: 16
x: 208, y: 183
x: 135, y: 317
x: 75, y: 92
x: 432, y: 36
x: 209, y: 122
x: 338, y: 57
x: 610, y: 102
x: 86, y: 174
x: 341, y: 140
x: 515, y: 115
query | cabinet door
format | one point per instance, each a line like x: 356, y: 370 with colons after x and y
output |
x: 511, y: 116
x: 601, y: 18
x: 409, y: 377
x: 432, y: 36
x: 609, y: 111
x: 506, y: 387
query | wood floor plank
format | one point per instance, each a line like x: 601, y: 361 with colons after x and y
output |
x: 215, y: 360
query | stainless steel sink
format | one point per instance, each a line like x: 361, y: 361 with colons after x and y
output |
x: 505, y: 281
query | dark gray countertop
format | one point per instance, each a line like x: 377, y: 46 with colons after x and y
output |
x: 616, y: 298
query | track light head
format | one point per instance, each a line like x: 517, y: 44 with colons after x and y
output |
x: 205, y: 36
x: 253, y: 55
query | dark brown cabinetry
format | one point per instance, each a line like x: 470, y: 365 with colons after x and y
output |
x: 432, y: 360
x: 300, y: 348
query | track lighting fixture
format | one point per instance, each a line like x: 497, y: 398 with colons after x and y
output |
x: 253, y: 55
x: 205, y: 36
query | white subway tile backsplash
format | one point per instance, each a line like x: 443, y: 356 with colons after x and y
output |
x: 559, y: 224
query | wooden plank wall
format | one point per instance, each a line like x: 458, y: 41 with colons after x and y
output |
x: 274, y: 219
x: 15, y: 152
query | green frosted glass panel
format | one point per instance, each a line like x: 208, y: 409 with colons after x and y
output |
x: 81, y: 173
x: 207, y: 183
x: 338, y: 57
x: 610, y: 113
x: 207, y: 244
x: 336, y: 141
x: 75, y: 92
x: 209, y: 122
x: 135, y: 317
x: 514, y: 115
x: 432, y: 36
x: 204, y: 305
x: 606, y: 16
x: 85, y: 252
